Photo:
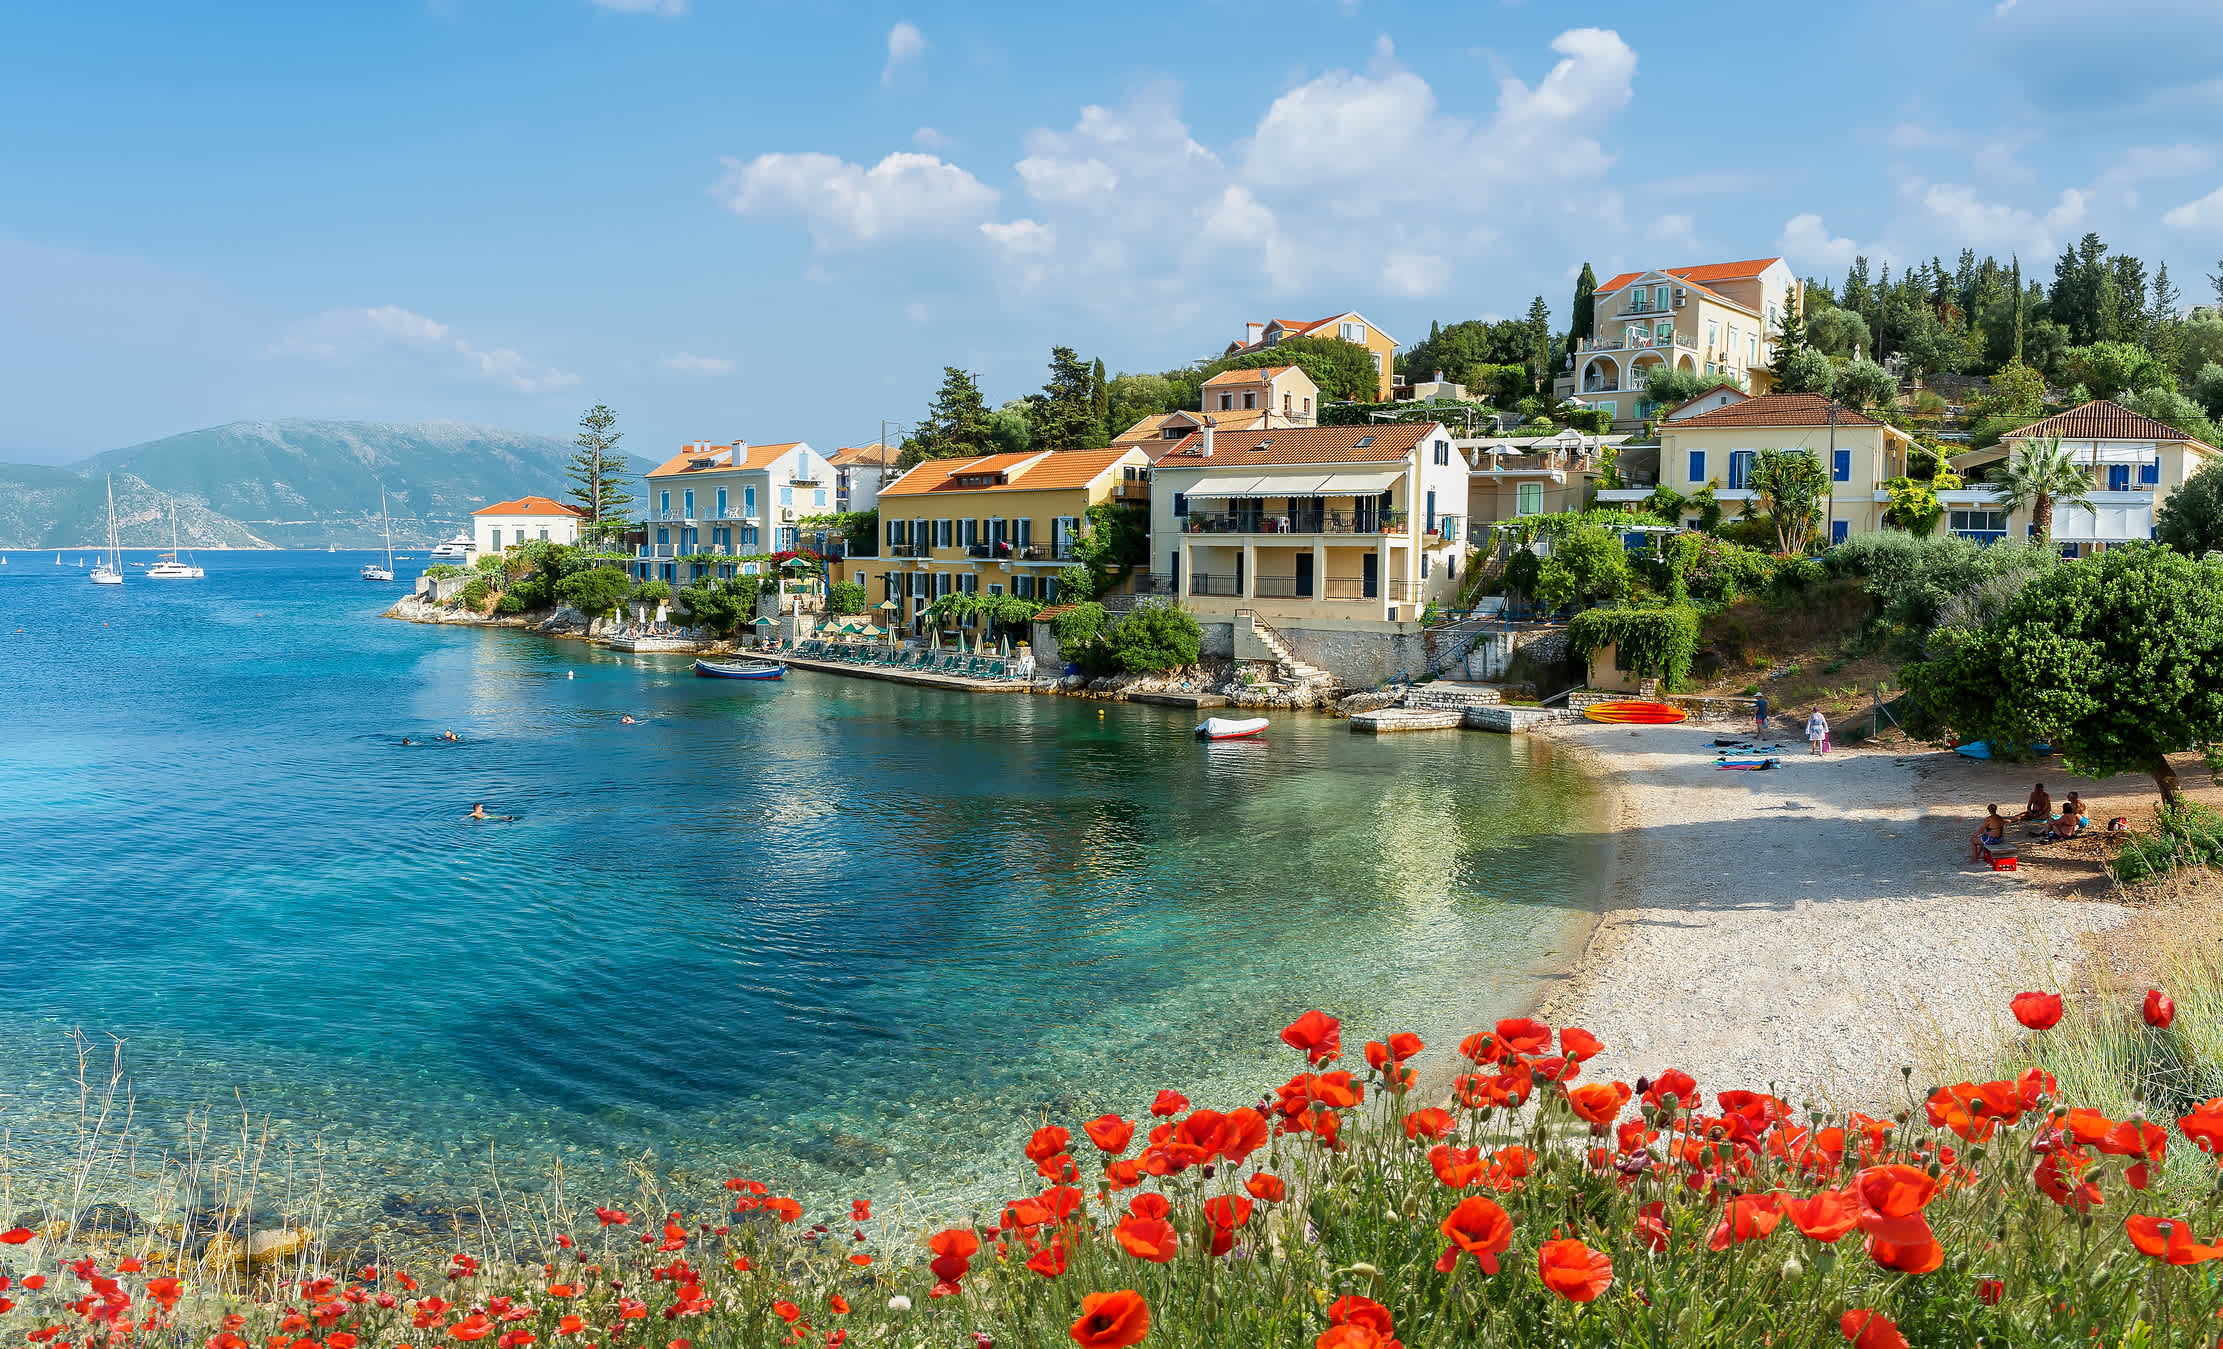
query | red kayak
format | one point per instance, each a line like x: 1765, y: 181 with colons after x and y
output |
x: 1636, y: 712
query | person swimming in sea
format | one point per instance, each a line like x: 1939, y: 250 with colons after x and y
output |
x: 451, y: 737
x: 629, y: 720
x: 405, y: 740
x: 478, y: 812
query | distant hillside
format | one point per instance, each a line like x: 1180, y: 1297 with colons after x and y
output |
x: 57, y: 508
x: 295, y: 483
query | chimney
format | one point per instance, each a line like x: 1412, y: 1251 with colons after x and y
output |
x: 1207, y: 451
x: 1439, y: 377
x: 1253, y: 333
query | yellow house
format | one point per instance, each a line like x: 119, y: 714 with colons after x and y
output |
x: 2135, y: 463
x: 1002, y: 524
x: 1349, y: 326
x: 1719, y: 318
x: 1280, y: 395
x: 1717, y: 448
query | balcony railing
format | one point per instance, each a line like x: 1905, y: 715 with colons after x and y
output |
x: 908, y: 550
x: 1137, y: 490
x: 1208, y: 583
x: 1154, y: 583
x: 1298, y: 522
x: 1275, y: 587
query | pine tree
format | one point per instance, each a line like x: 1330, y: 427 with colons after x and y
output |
x: 1069, y: 408
x: 2021, y: 303
x: 1100, y: 398
x: 598, y: 472
x: 2215, y: 279
x: 955, y: 425
x: 1790, y: 325
x: 1539, y: 341
x: 1585, y: 316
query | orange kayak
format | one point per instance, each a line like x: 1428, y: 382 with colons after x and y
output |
x: 1636, y: 712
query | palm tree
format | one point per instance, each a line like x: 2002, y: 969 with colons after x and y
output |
x: 2040, y: 475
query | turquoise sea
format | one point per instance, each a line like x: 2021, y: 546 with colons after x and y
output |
x: 854, y: 935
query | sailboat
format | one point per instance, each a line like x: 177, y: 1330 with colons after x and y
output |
x: 166, y: 566
x: 372, y: 571
x: 107, y: 573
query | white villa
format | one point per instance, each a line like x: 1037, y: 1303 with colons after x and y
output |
x: 529, y: 518
x: 732, y: 500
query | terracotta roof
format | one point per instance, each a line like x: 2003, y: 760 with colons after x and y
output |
x: 1711, y: 271
x: 1040, y: 471
x: 2103, y: 420
x: 1258, y: 375
x: 1301, y: 445
x: 757, y: 456
x: 531, y: 505
x: 1777, y: 409
x: 850, y: 455
x: 1307, y: 328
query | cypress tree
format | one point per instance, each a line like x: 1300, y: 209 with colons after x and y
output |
x: 1585, y: 315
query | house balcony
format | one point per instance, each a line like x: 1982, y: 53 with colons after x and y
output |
x: 1136, y: 491
x: 1351, y: 523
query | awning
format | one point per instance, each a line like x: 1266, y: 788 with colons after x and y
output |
x: 1312, y: 483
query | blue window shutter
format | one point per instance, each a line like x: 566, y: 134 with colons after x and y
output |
x: 1838, y: 530
x: 1698, y: 467
x: 1840, y: 467
x: 2149, y: 474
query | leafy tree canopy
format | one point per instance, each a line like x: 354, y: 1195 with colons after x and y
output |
x: 2191, y: 519
x: 2109, y: 369
x: 1154, y: 637
x: 1866, y: 385
x: 1671, y: 388
x: 1806, y: 370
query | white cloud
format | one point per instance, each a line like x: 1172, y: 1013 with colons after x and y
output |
x: 1416, y: 275
x: 903, y: 196
x: 1676, y: 229
x: 342, y: 335
x: 1807, y: 242
x: 906, y: 44
x: 670, y: 9
x: 687, y: 363
x: 1051, y: 179
x: 2204, y: 214
x: 927, y: 138
x: 1021, y: 238
x: 1339, y: 126
x: 1984, y: 225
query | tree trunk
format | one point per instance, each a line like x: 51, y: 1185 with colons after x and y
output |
x: 2041, y: 515
x: 2165, y: 777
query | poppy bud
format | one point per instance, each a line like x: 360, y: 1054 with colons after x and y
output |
x: 1935, y: 1169
x: 1643, y: 1085
x: 1826, y: 1259
x: 1366, y: 1271
x: 1960, y: 1263
x: 1792, y: 1269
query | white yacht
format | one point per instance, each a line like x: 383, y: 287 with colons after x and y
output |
x: 166, y: 566
x: 372, y: 571
x: 457, y: 549
x: 110, y: 572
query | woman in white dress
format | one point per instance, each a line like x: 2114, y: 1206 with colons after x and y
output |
x: 1817, y: 733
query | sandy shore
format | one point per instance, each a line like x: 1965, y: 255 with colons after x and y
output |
x: 1816, y: 926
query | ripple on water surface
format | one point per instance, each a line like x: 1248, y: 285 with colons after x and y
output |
x: 855, y: 934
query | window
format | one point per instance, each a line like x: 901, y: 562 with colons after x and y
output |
x: 1250, y: 402
x: 1424, y: 557
x: 688, y: 499
x: 662, y: 536
x: 1443, y: 453
x: 860, y: 580
x: 1377, y: 363
x: 1610, y: 407
x: 1740, y: 469
x: 787, y: 496
x: 1362, y: 443
x: 1431, y: 528
x: 1983, y: 526
x: 748, y: 502
x: 1659, y: 297
x: 494, y: 541
x: 1353, y: 332
x: 1839, y: 530
x: 1286, y: 400
x: 942, y: 533
x: 721, y: 503
x: 663, y: 503
x: 968, y: 533
x: 1227, y: 402
x: 1752, y: 349
x: 1840, y: 466
x: 544, y: 535
x: 2118, y: 477
x: 818, y: 498
x: 1023, y: 587
x: 1713, y: 334
x: 1697, y: 473
x: 1180, y: 503
x: 1307, y: 407
x: 2149, y: 474
x: 1528, y: 499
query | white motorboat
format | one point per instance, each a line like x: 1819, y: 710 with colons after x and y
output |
x: 1230, y: 728
x: 372, y: 571
x: 109, y: 572
x: 166, y: 565
x: 457, y: 549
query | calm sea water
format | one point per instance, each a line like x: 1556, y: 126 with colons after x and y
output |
x: 855, y: 934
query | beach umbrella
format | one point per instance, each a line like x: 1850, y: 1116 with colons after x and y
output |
x: 1003, y: 645
x: 887, y: 604
x: 870, y: 631
x: 797, y: 563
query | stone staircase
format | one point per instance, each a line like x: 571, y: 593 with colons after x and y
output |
x: 1451, y: 695
x: 1291, y: 669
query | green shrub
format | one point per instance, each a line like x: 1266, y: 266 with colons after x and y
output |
x: 1521, y: 571
x: 476, y: 590
x: 2190, y: 835
x: 595, y: 591
x: 652, y: 592
x: 510, y: 603
x: 1075, y: 584
x: 441, y: 571
x: 845, y: 597
x: 1079, y: 626
x: 1596, y: 562
x: 1656, y: 643
x: 1154, y: 637
x: 720, y: 606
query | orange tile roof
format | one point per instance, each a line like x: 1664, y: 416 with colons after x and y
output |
x: 1257, y: 375
x: 850, y: 455
x: 2104, y: 420
x: 758, y: 456
x: 1711, y: 271
x: 1300, y: 445
x: 1776, y: 409
x: 1037, y: 471
x: 530, y: 505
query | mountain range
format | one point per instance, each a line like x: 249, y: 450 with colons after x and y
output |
x: 283, y: 484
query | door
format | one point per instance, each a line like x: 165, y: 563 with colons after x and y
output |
x: 1304, y: 576
x: 1370, y: 576
x: 2118, y: 477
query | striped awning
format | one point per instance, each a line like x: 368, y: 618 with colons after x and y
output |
x: 1312, y: 483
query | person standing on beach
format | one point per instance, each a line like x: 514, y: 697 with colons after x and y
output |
x: 1760, y: 716
x: 1817, y: 733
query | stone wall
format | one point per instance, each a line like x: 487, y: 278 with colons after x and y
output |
x: 1356, y: 659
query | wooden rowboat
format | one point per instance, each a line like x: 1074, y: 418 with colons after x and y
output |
x: 751, y: 670
x: 1227, y: 728
x: 1636, y: 712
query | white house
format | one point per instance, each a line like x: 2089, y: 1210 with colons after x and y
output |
x: 859, y: 471
x: 738, y: 500
x: 507, y: 523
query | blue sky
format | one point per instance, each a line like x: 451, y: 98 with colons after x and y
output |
x: 782, y: 221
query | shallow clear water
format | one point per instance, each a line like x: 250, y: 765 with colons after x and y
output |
x: 857, y: 934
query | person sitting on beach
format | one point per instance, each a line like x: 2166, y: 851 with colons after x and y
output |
x: 2062, y: 826
x: 1990, y: 834
x: 2040, y: 807
x: 2074, y: 809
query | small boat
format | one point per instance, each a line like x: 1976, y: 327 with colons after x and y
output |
x: 166, y: 566
x: 372, y: 571
x: 710, y: 669
x: 457, y: 549
x: 1635, y: 712
x: 1229, y: 728
x: 106, y: 574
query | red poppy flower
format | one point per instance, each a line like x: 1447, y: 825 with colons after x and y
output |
x: 1748, y: 1217
x: 787, y: 1209
x: 1578, y: 1044
x: 1245, y: 1133
x: 1457, y: 1167
x: 2160, y: 1009
x: 1112, y: 1320
x: 1151, y: 1239
x: 1573, y: 1270
x: 476, y: 1326
x: 2204, y: 1126
x: 1871, y: 1330
x: 1169, y: 1102
x: 2038, y: 1011
x: 1651, y: 1226
x: 1227, y: 1211
x: 1432, y: 1122
x: 15, y: 1236
x: 2033, y: 1083
x: 2135, y: 1138
x: 1152, y: 1205
x: 1957, y: 1108
x: 1481, y: 1047
x: 1267, y: 1186
x: 1316, y: 1035
x: 2060, y: 1177
x: 1989, y: 1291
x: 1889, y: 1199
x: 787, y: 1311
x: 1676, y: 1083
x: 1598, y: 1103
x: 1047, y: 1142
x: 1110, y: 1133
x: 1353, y: 1310
x: 953, y: 1250
x: 1049, y: 1262
x: 1402, y: 1046
x: 2168, y: 1239
x: 2086, y: 1126
x: 1825, y: 1217
x: 612, y: 1217
x: 1351, y: 1337
x: 860, y: 1210
x: 1523, y: 1035
x: 1913, y: 1257
x: 1123, y: 1175
x: 1478, y: 1227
